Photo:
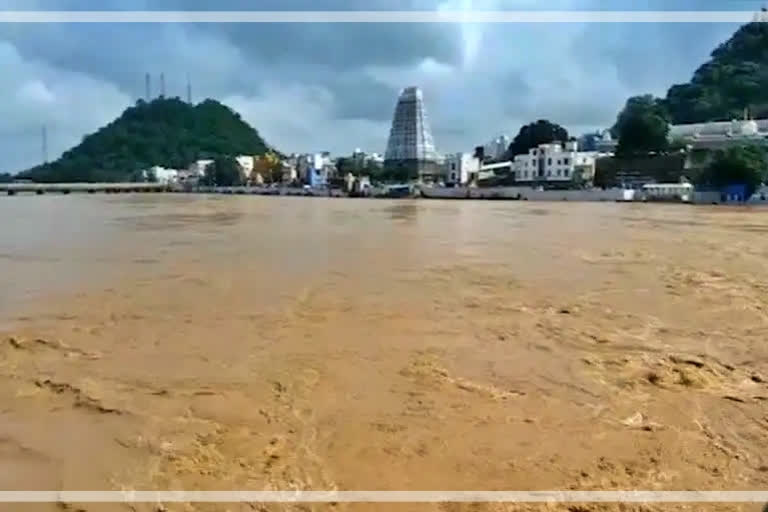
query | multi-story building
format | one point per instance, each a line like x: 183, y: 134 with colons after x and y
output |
x: 198, y: 167
x: 555, y: 164
x: 362, y: 160
x: 315, y: 169
x: 246, y: 163
x: 497, y: 148
x: 288, y: 171
x: 162, y: 175
x: 460, y: 168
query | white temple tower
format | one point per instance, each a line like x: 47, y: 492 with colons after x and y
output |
x: 411, y: 150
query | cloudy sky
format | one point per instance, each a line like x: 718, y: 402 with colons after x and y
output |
x: 312, y: 87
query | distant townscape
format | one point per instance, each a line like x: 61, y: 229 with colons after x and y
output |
x: 706, y: 137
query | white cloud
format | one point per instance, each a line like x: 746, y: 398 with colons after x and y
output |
x: 36, y: 94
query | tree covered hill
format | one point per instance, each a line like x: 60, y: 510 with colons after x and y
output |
x: 165, y: 131
x: 735, y: 78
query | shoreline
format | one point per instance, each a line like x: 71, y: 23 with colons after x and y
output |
x: 509, y: 193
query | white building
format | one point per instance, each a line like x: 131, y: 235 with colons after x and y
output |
x: 246, y: 164
x: 289, y: 173
x: 733, y: 128
x: 498, y: 147
x: 363, y: 160
x: 720, y: 134
x: 375, y: 159
x: 198, y: 168
x: 606, y: 143
x: 553, y: 163
x: 162, y: 175
x: 460, y: 168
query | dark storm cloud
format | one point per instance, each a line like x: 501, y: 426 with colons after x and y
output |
x: 286, y: 78
x: 339, y: 46
x: 363, y: 98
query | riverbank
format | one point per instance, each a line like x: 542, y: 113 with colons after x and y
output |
x: 384, y: 192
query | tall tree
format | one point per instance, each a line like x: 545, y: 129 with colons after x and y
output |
x: 533, y: 134
x: 642, y: 127
x: 735, y: 78
x: 745, y: 165
x: 223, y: 172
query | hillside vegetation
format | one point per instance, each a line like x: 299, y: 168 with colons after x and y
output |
x: 735, y: 78
x: 165, y: 131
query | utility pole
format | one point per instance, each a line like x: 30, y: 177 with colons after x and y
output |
x: 148, y: 86
x: 189, y: 90
x: 162, y: 85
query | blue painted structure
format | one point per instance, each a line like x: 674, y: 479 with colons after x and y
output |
x: 317, y: 177
x: 734, y: 193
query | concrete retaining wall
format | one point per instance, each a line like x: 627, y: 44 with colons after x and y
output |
x: 703, y: 197
x: 530, y: 194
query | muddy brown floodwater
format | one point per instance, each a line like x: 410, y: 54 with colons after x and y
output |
x: 249, y: 343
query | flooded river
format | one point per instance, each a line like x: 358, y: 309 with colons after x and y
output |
x: 257, y: 343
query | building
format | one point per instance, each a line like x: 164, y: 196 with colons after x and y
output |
x: 162, y: 175
x: 717, y: 135
x: 375, y: 159
x: 555, y: 165
x: 600, y: 141
x: 358, y: 159
x: 289, y: 173
x: 247, y: 164
x: 411, y: 149
x: 497, y: 148
x: 605, y: 143
x: 187, y: 177
x: 315, y: 169
x: 460, y: 168
x: 362, y: 160
x: 496, y: 170
x: 198, y: 168
x: 362, y: 185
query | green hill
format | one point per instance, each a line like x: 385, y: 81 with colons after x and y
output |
x: 735, y: 78
x: 165, y: 131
